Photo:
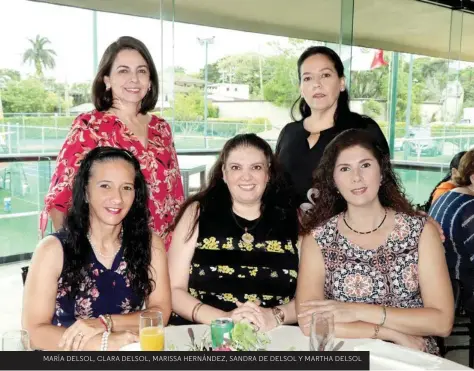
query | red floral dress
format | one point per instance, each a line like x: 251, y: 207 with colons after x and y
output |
x: 158, y: 161
x: 386, y: 276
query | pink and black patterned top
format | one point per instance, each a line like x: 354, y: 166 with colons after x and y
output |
x: 158, y: 161
x: 101, y: 291
x: 386, y: 276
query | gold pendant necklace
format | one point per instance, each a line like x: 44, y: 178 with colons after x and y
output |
x: 246, y: 236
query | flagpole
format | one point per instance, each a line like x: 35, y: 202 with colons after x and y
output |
x: 393, y: 101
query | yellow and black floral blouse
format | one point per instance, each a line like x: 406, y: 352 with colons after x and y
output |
x: 225, y: 269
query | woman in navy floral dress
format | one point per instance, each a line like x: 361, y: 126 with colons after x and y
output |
x: 104, y: 262
x: 367, y: 257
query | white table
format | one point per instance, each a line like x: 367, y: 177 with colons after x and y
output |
x: 383, y: 356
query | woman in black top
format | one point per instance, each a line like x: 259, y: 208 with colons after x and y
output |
x: 233, y: 252
x: 324, y: 108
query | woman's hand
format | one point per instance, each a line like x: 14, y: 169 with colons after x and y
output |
x: 77, y: 335
x: 262, y: 318
x: 342, y: 312
x: 247, y: 311
x: 118, y: 340
x: 410, y: 341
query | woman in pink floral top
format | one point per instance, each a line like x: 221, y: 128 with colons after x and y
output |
x: 367, y: 257
x: 124, y: 91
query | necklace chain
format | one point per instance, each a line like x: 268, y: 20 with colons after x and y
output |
x: 358, y: 232
x: 97, y: 251
x: 246, y: 236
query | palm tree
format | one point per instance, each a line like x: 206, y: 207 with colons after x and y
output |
x: 40, y: 56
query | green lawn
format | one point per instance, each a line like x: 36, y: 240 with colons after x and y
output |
x: 20, y: 234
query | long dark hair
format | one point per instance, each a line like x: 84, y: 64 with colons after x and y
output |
x: 215, y: 197
x: 102, y: 98
x: 343, y: 100
x: 136, y: 233
x: 329, y: 202
x: 454, y: 164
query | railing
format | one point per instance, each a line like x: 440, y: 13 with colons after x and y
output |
x: 25, y: 179
x: 18, y: 137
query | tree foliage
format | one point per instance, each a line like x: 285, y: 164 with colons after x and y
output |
x: 30, y: 95
x: 188, y: 107
x: 39, y: 55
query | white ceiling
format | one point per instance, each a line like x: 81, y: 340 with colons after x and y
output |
x: 400, y: 25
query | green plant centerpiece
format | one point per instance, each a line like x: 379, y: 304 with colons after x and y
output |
x: 244, y: 338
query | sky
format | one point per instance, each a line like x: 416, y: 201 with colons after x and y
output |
x: 70, y: 31
x: 71, y: 34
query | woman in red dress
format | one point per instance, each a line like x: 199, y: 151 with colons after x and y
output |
x: 125, y: 89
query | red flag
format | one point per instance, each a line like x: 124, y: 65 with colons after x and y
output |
x: 378, y: 60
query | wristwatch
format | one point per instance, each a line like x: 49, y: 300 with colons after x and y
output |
x: 279, y: 315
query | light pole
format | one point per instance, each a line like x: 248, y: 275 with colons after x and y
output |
x: 205, y: 42
x: 94, y: 42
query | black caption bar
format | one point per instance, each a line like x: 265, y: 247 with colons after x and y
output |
x: 184, y: 360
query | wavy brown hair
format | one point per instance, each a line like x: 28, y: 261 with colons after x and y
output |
x: 329, y: 202
x: 465, y: 169
x: 277, y: 200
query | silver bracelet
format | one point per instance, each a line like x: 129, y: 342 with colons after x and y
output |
x: 105, y: 341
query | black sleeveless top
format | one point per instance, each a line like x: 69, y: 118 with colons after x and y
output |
x: 299, y: 161
x: 225, y: 269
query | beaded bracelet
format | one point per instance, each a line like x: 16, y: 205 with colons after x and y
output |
x: 102, y: 320
x: 105, y: 341
x: 106, y: 320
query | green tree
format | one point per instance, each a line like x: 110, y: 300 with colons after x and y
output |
x: 10, y: 74
x: 38, y: 55
x: 466, y: 78
x: 372, y: 108
x: 213, y: 73
x: 29, y: 96
x: 191, y: 106
x: 179, y: 70
x: 81, y: 93
x: 370, y: 84
x: 281, y: 87
x: 243, y: 69
x: 432, y: 74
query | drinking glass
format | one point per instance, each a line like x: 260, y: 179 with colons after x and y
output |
x: 152, y: 333
x: 321, y: 336
x: 17, y: 340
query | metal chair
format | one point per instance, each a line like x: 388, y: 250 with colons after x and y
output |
x: 463, y: 324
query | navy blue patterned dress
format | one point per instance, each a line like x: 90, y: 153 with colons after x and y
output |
x: 101, y: 291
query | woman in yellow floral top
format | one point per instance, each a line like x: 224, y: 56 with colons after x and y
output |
x: 233, y: 252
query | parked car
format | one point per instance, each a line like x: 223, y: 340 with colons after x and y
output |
x: 420, y: 140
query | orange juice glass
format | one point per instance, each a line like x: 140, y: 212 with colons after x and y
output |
x: 152, y: 333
